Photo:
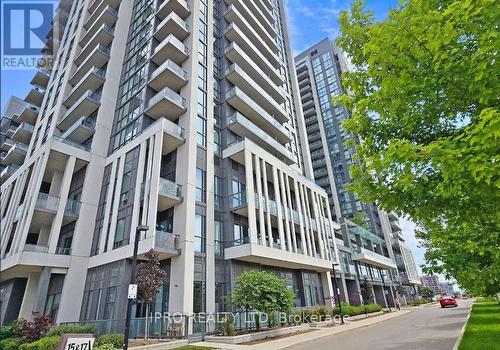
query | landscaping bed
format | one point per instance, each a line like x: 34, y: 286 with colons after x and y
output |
x: 254, y: 342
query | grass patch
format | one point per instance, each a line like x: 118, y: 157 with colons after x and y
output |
x: 483, y: 328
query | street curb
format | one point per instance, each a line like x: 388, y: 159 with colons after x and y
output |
x: 462, y: 331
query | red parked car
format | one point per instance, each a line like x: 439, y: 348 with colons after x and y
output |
x: 446, y: 300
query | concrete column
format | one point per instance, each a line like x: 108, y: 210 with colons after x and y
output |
x: 305, y: 214
x: 29, y: 295
x: 73, y: 288
x: 292, y: 223
x: 154, y: 181
x: 326, y: 282
x: 319, y: 229
x: 266, y: 203
x: 116, y: 202
x: 262, y: 222
x: 42, y: 289
x: 63, y: 198
x: 278, y: 207
x: 252, y: 219
x: 136, y: 220
x: 301, y: 217
x: 286, y: 212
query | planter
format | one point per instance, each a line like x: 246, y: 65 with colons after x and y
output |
x: 238, y: 339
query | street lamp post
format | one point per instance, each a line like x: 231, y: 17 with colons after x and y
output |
x: 138, y: 230
x: 337, y: 293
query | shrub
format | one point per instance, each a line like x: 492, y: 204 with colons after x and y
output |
x: 114, y: 339
x: 106, y: 346
x: 357, y: 310
x: 228, y: 325
x: 71, y: 328
x: 46, y: 343
x: 31, y: 331
x: 9, y: 344
x: 9, y: 330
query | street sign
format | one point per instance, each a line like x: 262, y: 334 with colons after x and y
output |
x: 132, y: 291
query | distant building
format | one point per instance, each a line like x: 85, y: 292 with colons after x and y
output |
x: 431, y: 282
x: 447, y: 288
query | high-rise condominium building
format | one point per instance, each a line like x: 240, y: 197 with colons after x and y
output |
x: 180, y: 115
x: 432, y: 282
x: 367, y: 232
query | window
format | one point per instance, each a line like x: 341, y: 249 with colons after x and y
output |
x: 119, y: 233
x: 218, y: 238
x: 217, y: 192
x: 199, y: 233
x: 201, y: 132
x: 52, y: 305
x: 240, y: 234
x: 109, y: 306
x: 200, y: 185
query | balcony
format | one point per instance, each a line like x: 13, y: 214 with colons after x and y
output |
x: 91, y: 81
x: 238, y: 203
x: 267, y: 80
x: 35, y: 95
x: 274, y: 256
x: 85, y: 106
x: 8, y: 171
x: 97, y: 58
x: 180, y: 7
x: 169, y: 194
x: 56, y: 31
x: 169, y: 74
x: 309, y: 112
x: 173, y: 136
x: 7, y: 144
x: 98, y: 5
x: 267, y: 47
x: 35, y: 248
x: 240, y: 125
x: 395, y: 226
x: 80, y: 131
x: 266, y: 61
x: 103, y: 36
x: 41, y: 78
x: 367, y: 256
x: 23, y: 133
x: 306, y: 89
x: 166, y: 244
x: 238, y: 77
x: 108, y: 15
x: 47, y: 203
x: 172, y: 24
x: 256, y: 19
x: 72, y: 211
x: 250, y: 109
x: 16, y: 154
x: 166, y: 103
x: 171, y: 48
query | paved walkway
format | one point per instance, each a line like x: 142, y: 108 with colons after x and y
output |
x: 307, y: 337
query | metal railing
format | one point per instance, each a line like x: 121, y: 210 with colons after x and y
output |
x: 63, y: 251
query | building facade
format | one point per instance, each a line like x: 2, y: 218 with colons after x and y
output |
x: 183, y: 116
x: 367, y: 235
x: 432, y: 282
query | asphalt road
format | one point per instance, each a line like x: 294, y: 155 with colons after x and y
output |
x: 426, y: 328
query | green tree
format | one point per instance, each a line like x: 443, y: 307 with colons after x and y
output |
x: 366, y: 291
x: 263, y: 292
x: 424, y: 101
x: 150, y: 277
x: 360, y: 219
x: 426, y: 292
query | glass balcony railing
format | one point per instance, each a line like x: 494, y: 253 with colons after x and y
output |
x: 165, y: 240
x: 35, y: 248
x: 169, y: 188
x: 238, y: 199
x: 72, y: 208
x: 46, y: 202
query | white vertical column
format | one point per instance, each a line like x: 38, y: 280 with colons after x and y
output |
x: 262, y: 223
x: 266, y: 203
x: 252, y: 219
x: 307, y: 222
x: 277, y: 196
x: 136, y: 220
x: 301, y: 218
x: 116, y: 203
x: 63, y: 198
x: 292, y: 223
x: 319, y: 227
x: 155, y: 185
x: 286, y: 210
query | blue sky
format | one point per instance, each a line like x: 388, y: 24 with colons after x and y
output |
x: 309, y: 21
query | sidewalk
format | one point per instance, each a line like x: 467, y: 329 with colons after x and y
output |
x: 302, y: 338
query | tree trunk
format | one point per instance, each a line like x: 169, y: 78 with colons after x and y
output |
x: 146, y: 322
